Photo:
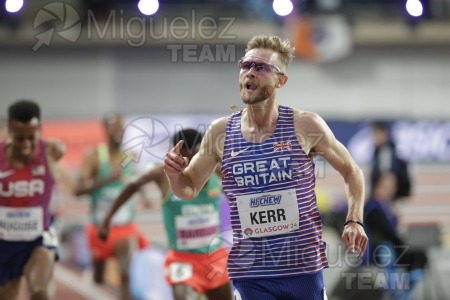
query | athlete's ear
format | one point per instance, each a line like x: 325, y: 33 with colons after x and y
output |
x: 282, y: 79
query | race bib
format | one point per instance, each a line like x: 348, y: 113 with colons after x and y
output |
x: 21, y: 224
x: 267, y: 214
x: 179, y: 272
x: 194, y: 231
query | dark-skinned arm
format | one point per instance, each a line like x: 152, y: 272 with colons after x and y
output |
x: 154, y: 174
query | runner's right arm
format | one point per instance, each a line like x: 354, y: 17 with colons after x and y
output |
x: 155, y: 174
x: 186, y: 180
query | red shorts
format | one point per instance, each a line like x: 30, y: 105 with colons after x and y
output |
x: 201, y: 271
x: 101, y: 250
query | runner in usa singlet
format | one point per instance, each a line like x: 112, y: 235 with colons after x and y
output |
x: 25, y: 195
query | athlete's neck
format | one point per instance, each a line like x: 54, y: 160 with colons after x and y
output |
x: 261, y: 116
x: 114, y: 149
x: 259, y: 123
x: 17, y: 160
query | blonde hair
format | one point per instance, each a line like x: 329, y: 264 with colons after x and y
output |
x: 284, y: 48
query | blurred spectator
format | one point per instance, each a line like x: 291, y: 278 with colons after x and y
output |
x: 385, y: 159
x: 381, y: 228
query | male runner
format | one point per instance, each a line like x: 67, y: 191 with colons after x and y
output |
x: 266, y: 151
x: 196, y: 262
x: 27, y: 171
x: 103, y: 177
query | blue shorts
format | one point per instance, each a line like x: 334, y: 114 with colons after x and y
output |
x: 300, y: 287
x: 14, y: 256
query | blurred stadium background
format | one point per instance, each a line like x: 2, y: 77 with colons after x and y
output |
x: 356, y: 61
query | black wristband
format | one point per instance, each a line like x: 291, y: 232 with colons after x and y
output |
x: 353, y: 221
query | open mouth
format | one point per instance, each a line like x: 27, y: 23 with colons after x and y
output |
x: 250, y: 86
